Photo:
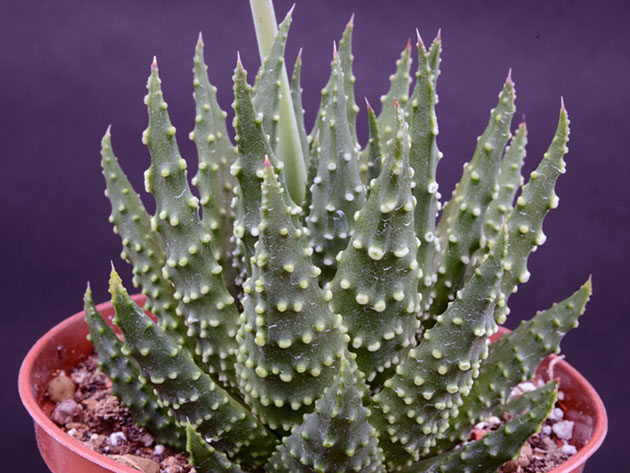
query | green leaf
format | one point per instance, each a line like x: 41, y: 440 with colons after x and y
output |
x: 185, y: 389
x: 209, y: 309
x: 142, y: 247
x: 514, y: 359
x: 290, y: 340
x: 338, y: 191
x: 128, y: 384
x: 213, y: 179
x: 375, y: 287
x: 204, y: 457
x: 461, y: 225
x: 414, y: 407
x: 525, y: 223
x: 494, y: 449
x: 336, y: 437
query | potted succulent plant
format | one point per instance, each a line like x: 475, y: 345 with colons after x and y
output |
x: 318, y: 308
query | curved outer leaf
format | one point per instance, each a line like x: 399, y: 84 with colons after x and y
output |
x: 494, y: 449
x: 210, y: 313
x: 526, y: 401
x: 204, y: 457
x: 290, y: 340
x: 337, y: 190
x: 414, y: 408
x: 460, y: 228
x: 128, y: 384
x: 424, y: 156
x: 514, y: 359
x: 213, y: 179
x: 525, y: 222
x: 336, y: 437
x: 142, y: 247
x: 186, y: 390
x: 375, y: 287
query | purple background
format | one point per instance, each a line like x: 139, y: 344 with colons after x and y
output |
x: 70, y: 67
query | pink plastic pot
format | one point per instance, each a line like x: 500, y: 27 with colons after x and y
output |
x: 65, y: 345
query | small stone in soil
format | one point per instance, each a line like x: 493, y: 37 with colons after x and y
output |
x: 95, y: 417
x: 61, y: 388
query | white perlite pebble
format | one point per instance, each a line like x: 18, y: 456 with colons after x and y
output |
x: 568, y: 449
x: 481, y: 426
x: 563, y: 429
x: 519, y: 389
x: 556, y: 414
x: 159, y: 449
x: 527, y: 387
x: 116, y: 438
x: 546, y: 429
x: 72, y: 432
x: 560, y: 395
x: 494, y: 421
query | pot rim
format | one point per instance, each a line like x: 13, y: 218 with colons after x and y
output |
x: 43, y: 421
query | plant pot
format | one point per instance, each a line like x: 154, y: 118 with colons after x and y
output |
x: 65, y: 345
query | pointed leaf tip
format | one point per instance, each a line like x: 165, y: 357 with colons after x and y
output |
x: 408, y: 46
x: 562, y: 107
x: 509, y: 77
x: 239, y: 64
x: 351, y: 21
x: 396, y: 103
x: 419, y: 38
x: 115, y: 283
x: 367, y: 104
x: 523, y: 120
x: 439, y: 34
x: 290, y: 12
x: 154, y: 64
x: 335, y: 55
x: 200, y: 40
x: 267, y: 162
x: 299, y: 55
